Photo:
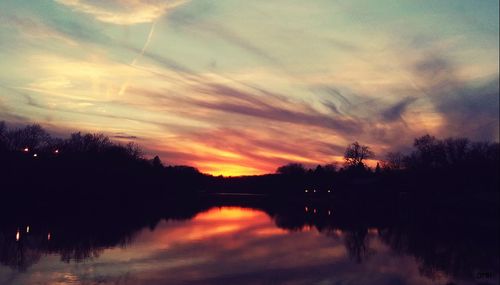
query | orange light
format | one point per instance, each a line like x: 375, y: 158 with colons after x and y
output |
x: 227, y: 213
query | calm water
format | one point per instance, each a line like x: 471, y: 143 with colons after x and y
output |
x: 231, y: 245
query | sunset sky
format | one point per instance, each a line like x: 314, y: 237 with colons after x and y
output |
x: 240, y: 87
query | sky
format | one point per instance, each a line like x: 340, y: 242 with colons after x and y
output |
x: 241, y: 87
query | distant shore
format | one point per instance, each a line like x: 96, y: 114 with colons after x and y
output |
x: 37, y: 167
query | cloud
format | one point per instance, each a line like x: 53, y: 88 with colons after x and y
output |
x: 396, y: 111
x: 279, y: 109
x: 251, y: 245
x: 123, y: 12
x: 213, y: 28
x: 7, y: 115
x: 469, y: 108
x: 125, y: 136
x: 35, y: 29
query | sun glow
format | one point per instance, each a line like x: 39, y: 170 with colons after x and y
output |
x: 217, y: 169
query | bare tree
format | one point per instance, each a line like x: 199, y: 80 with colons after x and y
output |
x: 394, y: 160
x: 355, y: 154
x: 32, y: 137
x: 456, y: 150
x: 88, y: 143
x: 133, y: 150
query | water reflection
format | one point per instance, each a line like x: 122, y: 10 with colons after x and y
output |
x: 216, y: 243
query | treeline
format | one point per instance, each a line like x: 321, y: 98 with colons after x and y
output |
x: 453, y: 164
x: 431, y: 166
x: 38, y: 143
x: 37, y: 166
x: 429, y: 154
x: 91, y: 165
x: 432, y: 154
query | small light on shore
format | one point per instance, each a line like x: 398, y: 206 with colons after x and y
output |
x: 26, y: 149
x: 18, y: 235
x: 48, y: 236
x: 35, y: 155
x: 56, y: 151
x: 306, y: 209
x: 27, y: 229
x: 306, y: 190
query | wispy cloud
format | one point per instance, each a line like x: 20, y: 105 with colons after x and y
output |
x: 123, y: 12
x: 469, y: 110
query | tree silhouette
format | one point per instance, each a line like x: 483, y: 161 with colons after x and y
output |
x: 3, y: 140
x: 394, y: 161
x: 33, y: 137
x: 156, y: 162
x: 90, y: 143
x: 292, y: 169
x: 355, y: 154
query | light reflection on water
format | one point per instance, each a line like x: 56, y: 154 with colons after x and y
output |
x: 228, y: 245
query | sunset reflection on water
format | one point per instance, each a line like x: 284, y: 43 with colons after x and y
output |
x: 228, y: 245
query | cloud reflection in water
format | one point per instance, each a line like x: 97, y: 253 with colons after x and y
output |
x: 229, y: 245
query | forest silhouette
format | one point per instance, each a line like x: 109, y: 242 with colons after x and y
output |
x: 39, y: 167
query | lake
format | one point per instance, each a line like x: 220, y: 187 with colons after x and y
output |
x: 243, y: 245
